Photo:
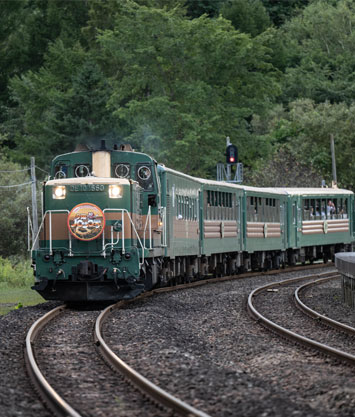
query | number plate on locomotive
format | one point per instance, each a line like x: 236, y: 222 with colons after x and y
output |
x: 87, y: 187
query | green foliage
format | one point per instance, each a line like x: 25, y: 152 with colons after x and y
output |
x: 196, y: 8
x: 62, y: 104
x: 284, y: 168
x: 306, y: 130
x: 13, y: 225
x: 282, y: 11
x: 321, y: 58
x: 248, y: 16
x: 27, y: 27
x: 174, y: 78
x: 185, y: 84
x: 17, y: 273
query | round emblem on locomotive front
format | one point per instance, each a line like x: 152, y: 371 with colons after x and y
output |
x: 86, y: 221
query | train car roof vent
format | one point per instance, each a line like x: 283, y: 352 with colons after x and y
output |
x: 126, y: 147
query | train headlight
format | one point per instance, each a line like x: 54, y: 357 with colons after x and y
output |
x: 59, y: 192
x: 115, y: 191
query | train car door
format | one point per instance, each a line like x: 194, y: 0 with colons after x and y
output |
x: 294, y: 222
x: 200, y: 221
x: 283, y: 223
x: 296, y: 219
x: 239, y: 220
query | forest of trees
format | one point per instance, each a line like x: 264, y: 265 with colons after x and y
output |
x: 174, y: 78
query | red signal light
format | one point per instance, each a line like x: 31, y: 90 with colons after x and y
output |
x: 231, y: 154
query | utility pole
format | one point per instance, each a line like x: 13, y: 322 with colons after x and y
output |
x: 34, y: 202
x: 334, y: 168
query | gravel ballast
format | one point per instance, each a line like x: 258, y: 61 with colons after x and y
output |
x: 198, y: 344
x: 202, y: 345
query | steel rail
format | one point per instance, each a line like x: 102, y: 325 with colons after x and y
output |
x: 142, y: 383
x: 315, y: 314
x: 295, y: 337
x: 55, y: 402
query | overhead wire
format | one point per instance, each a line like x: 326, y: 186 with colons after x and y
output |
x: 16, y: 170
x: 16, y: 185
x: 21, y: 170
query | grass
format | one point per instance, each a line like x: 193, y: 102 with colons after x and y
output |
x: 16, y: 278
x: 15, y: 298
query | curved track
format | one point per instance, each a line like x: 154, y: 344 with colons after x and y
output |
x: 316, y: 315
x: 55, y: 402
x: 146, y: 386
x: 296, y: 337
x: 61, y: 408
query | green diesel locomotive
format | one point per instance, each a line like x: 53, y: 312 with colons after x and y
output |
x: 115, y: 224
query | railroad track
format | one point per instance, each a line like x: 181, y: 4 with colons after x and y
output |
x: 294, y: 336
x: 59, y: 406
x: 55, y: 402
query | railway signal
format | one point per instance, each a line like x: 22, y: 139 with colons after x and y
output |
x: 226, y: 172
x: 232, y: 154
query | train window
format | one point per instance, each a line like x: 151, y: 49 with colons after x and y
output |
x: 306, y: 209
x: 82, y: 170
x: 317, y: 210
x: 61, y: 171
x: 178, y: 207
x: 343, y: 209
x: 144, y: 176
x: 323, y: 211
x: 122, y: 170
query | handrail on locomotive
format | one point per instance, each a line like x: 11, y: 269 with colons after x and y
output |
x: 112, y: 244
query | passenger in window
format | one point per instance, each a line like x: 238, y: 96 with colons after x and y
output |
x: 330, y: 209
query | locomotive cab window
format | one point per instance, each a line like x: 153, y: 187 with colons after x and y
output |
x: 82, y: 170
x: 61, y: 171
x: 122, y: 170
x: 144, y: 176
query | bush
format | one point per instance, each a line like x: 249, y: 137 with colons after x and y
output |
x: 16, y: 272
x: 13, y: 213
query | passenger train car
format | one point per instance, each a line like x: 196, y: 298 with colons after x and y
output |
x: 115, y: 223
